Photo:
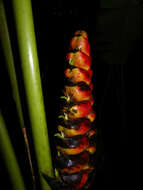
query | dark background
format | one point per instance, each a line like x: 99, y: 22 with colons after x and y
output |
x: 116, y: 35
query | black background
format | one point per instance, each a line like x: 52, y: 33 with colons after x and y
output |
x: 116, y: 36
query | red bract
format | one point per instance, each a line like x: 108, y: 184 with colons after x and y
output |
x: 79, y: 59
x: 78, y: 110
x: 77, y: 94
x: 76, y: 75
x: 80, y: 43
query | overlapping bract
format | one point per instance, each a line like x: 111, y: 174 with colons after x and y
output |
x: 76, y: 137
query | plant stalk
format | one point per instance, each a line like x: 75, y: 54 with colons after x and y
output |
x: 32, y: 81
x: 8, y: 155
x: 9, y: 60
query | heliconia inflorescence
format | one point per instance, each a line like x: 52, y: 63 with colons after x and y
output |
x: 76, y: 137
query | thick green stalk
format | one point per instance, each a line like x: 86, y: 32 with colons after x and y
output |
x: 9, y: 60
x: 7, y: 51
x: 31, y: 74
x: 7, y: 152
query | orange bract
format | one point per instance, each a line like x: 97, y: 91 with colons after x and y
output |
x: 78, y: 110
x: 83, y: 128
x: 81, y: 44
x: 76, y: 168
x: 81, y: 33
x: 84, y: 144
x: 78, y: 75
x: 91, y: 116
x: 79, y: 59
x: 92, y: 149
x: 77, y: 94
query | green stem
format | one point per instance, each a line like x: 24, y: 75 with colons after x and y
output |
x: 7, y: 152
x: 9, y: 60
x: 31, y: 74
x: 7, y: 51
